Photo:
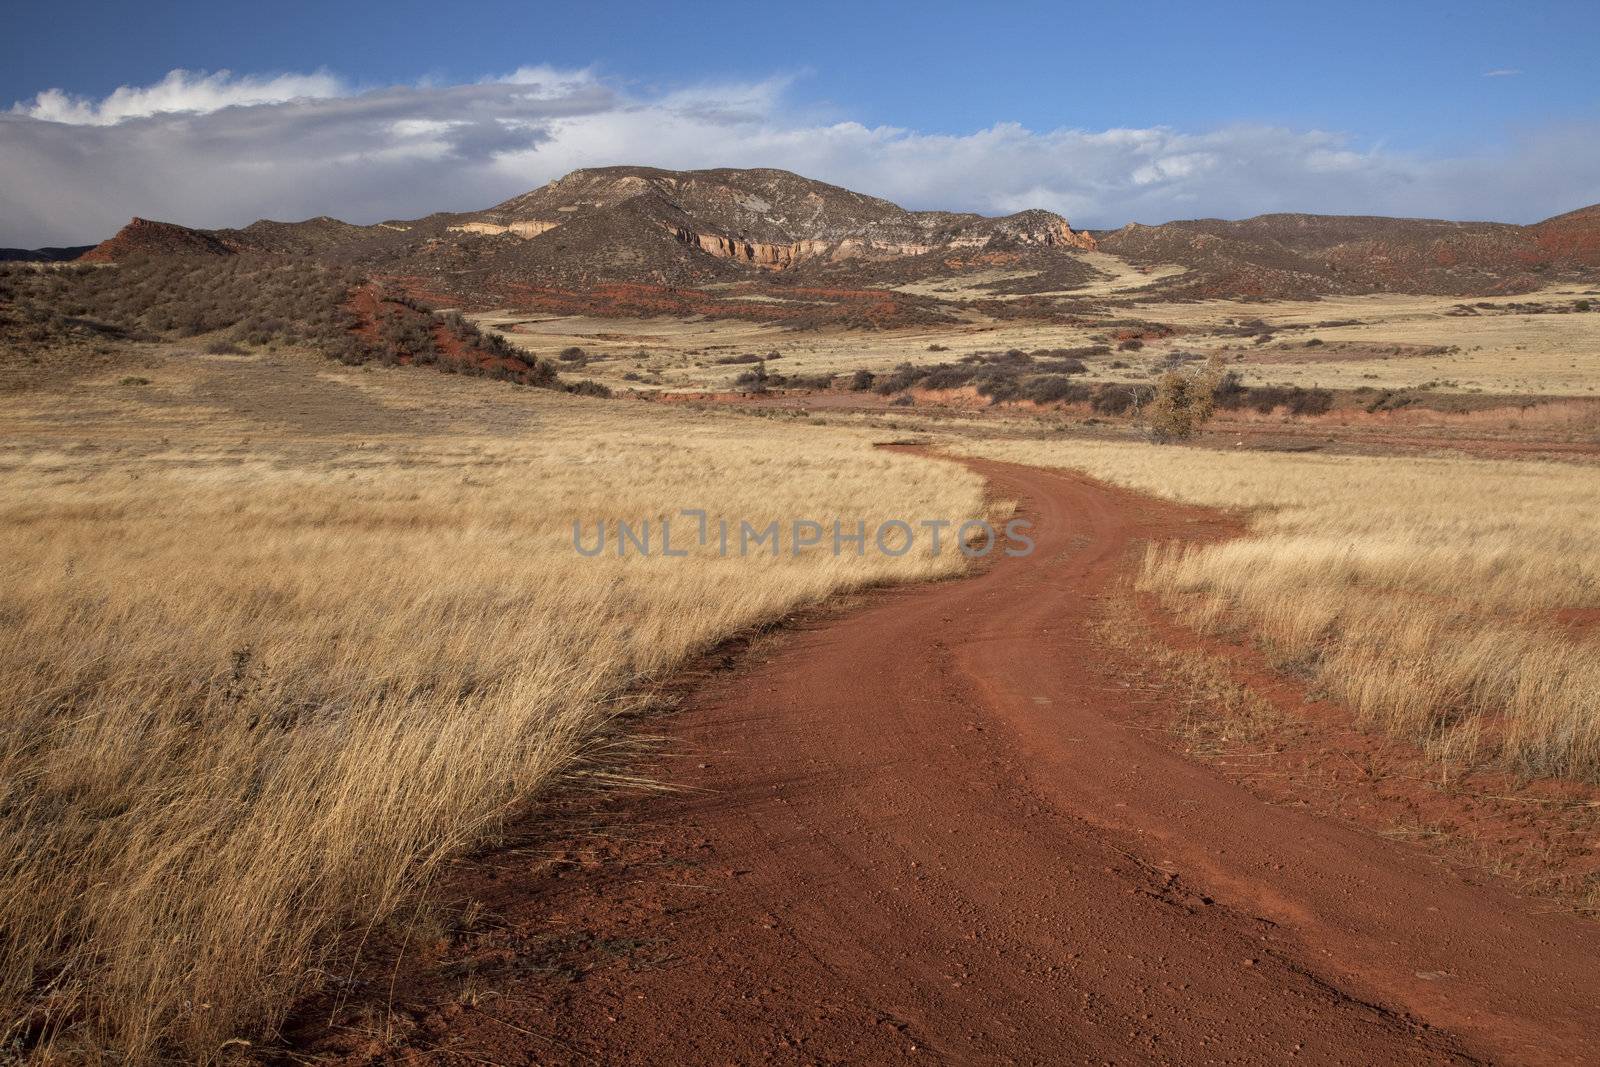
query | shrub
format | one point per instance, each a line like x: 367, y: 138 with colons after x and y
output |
x: 1312, y: 402
x: 572, y: 354
x: 589, y: 387
x: 861, y: 380
x: 1118, y: 399
x: 1053, y: 388
x: 1072, y: 353
x: 753, y: 380
x: 1183, y: 402
x: 1132, y: 344
x: 1065, y: 366
x: 1000, y: 388
x: 539, y: 373
x: 1293, y: 399
x: 903, y: 378
x: 1230, y: 391
x: 946, y: 376
x: 1391, y: 400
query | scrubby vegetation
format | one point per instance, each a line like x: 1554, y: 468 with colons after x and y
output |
x: 1230, y: 394
x: 258, y: 301
x: 1042, y: 375
x: 255, y: 301
x: 1183, y: 402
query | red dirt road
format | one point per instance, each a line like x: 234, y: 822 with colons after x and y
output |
x: 925, y: 829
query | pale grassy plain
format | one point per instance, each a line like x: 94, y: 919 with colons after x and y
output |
x: 278, y: 638
x: 1454, y: 602
x: 1498, y: 351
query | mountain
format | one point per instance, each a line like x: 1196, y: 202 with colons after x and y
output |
x: 142, y: 237
x: 1295, y: 256
x: 639, y: 240
x: 42, y: 255
x: 764, y: 218
x: 639, y: 225
x: 1573, y: 237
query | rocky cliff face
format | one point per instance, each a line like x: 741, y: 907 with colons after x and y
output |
x: 529, y: 228
x: 768, y: 219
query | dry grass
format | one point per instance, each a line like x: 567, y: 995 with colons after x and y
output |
x: 1451, y: 601
x: 1500, y: 352
x: 260, y: 684
x: 1210, y: 713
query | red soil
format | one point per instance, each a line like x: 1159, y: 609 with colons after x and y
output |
x: 142, y: 237
x: 369, y: 307
x: 1540, y: 833
x: 935, y: 826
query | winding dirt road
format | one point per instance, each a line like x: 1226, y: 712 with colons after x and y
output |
x: 924, y: 829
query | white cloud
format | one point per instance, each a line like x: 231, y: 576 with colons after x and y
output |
x: 1505, y: 72
x: 219, y: 150
x: 180, y: 91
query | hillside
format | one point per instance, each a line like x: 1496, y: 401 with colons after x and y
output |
x: 639, y: 225
x: 1572, y: 238
x: 644, y: 241
x: 765, y: 218
x: 1292, y: 256
x: 611, y: 218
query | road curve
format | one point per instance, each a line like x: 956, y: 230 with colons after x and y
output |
x: 921, y: 828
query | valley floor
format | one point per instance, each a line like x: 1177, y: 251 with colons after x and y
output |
x: 952, y: 822
x: 1021, y: 812
x: 1532, y: 345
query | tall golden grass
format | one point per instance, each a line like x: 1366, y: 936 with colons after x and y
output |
x: 1455, y: 602
x: 255, y: 694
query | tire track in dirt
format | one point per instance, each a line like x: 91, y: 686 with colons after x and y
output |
x: 922, y: 828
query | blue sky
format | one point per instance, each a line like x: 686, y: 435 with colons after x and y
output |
x: 1399, y: 94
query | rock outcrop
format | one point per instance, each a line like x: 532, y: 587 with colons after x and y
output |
x: 528, y: 228
x: 769, y: 219
x: 142, y: 237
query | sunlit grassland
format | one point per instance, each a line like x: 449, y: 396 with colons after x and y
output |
x: 1455, y: 602
x: 259, y: 684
